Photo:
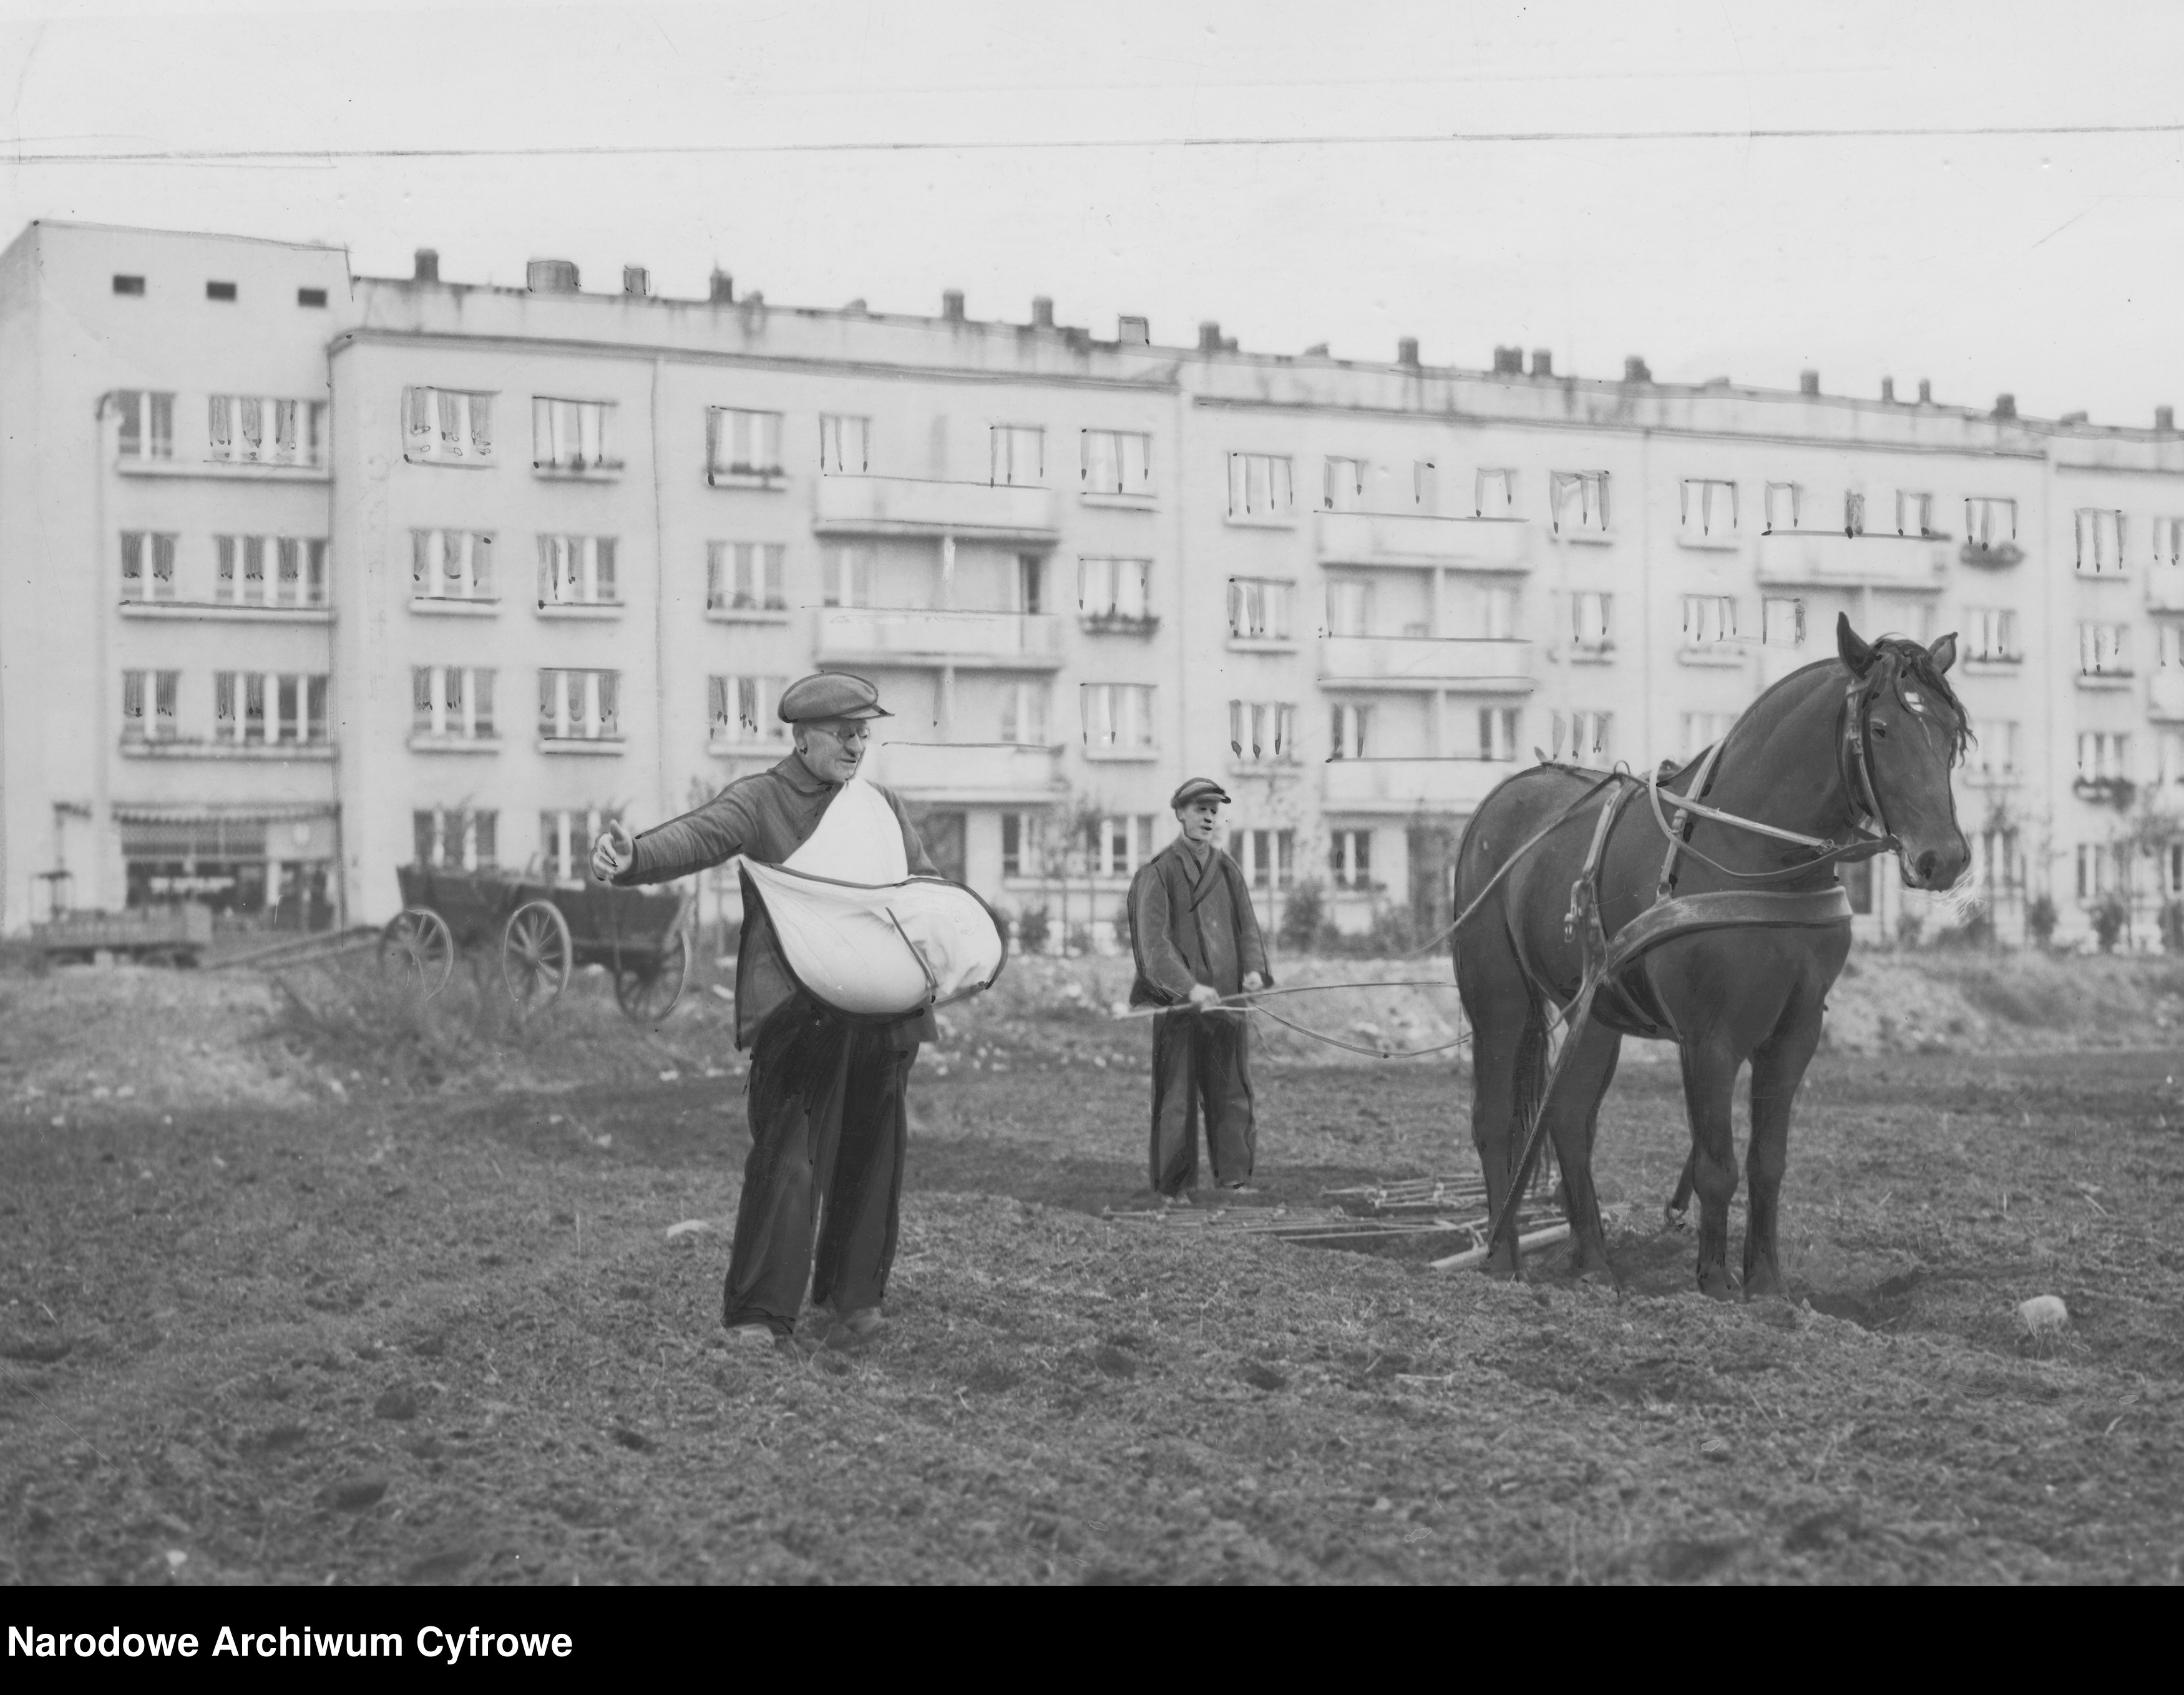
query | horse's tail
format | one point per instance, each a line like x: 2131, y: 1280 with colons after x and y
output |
x: 1531, y: 1093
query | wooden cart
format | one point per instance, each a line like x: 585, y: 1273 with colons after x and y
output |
x: 169, y: 935
x: 541, y: 934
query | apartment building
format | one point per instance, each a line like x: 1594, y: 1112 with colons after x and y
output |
x: 409, y: 570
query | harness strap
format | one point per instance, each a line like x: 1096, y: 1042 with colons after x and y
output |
x: 1676, y: 832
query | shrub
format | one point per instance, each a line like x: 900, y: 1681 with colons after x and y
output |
x: 1032, y: 928
x: 1080, y: 939
x: 1907, y: 927
x: 1976, y: 931
x: 1303, y: 916
x: 2109, y: 919
x: 2040, y: 921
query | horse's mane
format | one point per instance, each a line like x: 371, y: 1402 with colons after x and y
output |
x: 1910, y: 661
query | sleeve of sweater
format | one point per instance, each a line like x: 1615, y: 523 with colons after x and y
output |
x: 1158, y: 960
x: 1251, y: 945
x: 700, y: 839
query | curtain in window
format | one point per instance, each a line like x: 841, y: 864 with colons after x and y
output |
x: 219, y: 424
x: 603, y: 569
x: 481, y: 410
x: 132, y: 564
x: 549, y: 698
x: 315, y: 709
x: 1103, y: 468
x: 421, y: 699
x: 609, y: 688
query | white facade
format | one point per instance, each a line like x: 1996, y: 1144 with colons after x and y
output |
x: 574, y: 544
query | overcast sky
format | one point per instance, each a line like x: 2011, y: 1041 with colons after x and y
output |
x: 1470, y: 174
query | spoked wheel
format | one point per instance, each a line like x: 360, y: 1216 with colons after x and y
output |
x: 417, y: 951
x: 647, y: 996
x: 536, y: 953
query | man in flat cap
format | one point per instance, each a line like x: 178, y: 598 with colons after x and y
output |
x: 828, y: 1116
x: 1196, y: 939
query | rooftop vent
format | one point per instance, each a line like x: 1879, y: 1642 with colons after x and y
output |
x: 1508, y: 361
x: 2005, y: 406
x: 1543, y: 362
x: 1042, y: 312
x: 1809, y: 383
x: 550, y: 276
x: 2165, y: 419
x: 721, y: 291
x: 1134, y: 332
x: 857, y: 306
x: 636, y: 280
x: 1926, y: 391
x: 1635, y: 370
x: 1888, y: 389
x: 2075, y: 418
x: 428, y: 265
x: 951, y: 305
x: 1209, y: 336
x: 1317, y: 350
x: 1406, y: 351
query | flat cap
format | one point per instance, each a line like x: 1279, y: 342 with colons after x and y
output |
x: 1196, y: 788
x: 830, y: 694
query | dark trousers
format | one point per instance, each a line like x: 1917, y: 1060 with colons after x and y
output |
x: 1200, y: 1055
x: 829, y: 1122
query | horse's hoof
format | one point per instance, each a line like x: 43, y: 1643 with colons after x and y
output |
x: 1764, y: 1284
x: 1675, y: 1218
x: 1714, y: 1284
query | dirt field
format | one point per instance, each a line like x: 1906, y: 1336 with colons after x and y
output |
x: 332, y: 1290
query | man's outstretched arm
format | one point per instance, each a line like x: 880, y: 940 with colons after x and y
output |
x: 700, y: 839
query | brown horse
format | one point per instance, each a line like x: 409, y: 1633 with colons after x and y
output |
x: 1862, y: 742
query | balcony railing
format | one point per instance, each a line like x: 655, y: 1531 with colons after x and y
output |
x: 969, y: 772
x: 1426, y: 661
x: 912, y: 635
x: 912, y: 506
x: 1406, y: 538
x: 1891, y: 562
x: 1410, y: 785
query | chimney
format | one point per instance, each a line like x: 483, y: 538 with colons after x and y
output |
x: 1209, y: 336
x: 1926, y: 391
x: 1042, y: 312
x: 1508, y: 361
x: 2165, y: 419
x: 951, y: 305
x: 550, y: 276
x: 1406, y: 351
x: 1809, y: 383
x: 1888, y: 389
x: 2005, y: 405
x: 1134, y: 332
x: 428, y: 264
x: 2075, y: 418
x: 722, y: 292
x: 1543, y: 362
x: 636, y: 280
x: 1635, y: 371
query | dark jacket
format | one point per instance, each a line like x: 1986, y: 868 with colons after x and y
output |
x: 765, y: 816
x: 1189, y: 926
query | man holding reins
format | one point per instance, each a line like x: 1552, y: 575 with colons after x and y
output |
x: 1197, y: 942
x: 827, y: 1099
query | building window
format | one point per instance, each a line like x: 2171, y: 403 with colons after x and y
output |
x: 846, y: 444
x: 1118, y: 716
x: 1709, y: 619
x: 2104, y: 756
x: 2103, y: 869
x: 1350, y: 858
x: 1592, y: 621
x: 449, y: 839
x: 1259, y: 486
x: 1343, y: 488
x: 452, y: 702
x: 846, y: 576
x: 1989, y: 523
x: 1425, y: 485
x: 147, y: 424
x: 1349, y: 606
x: 1029, y: 585
x: 1914, y: 514
x: 1994, y: 754
x: 1113, y: 591
x: 1494, y: 495
x: 1853, y: 512
x: 269, y: 570
x: 148, y: 566
x: 1350, y: 730
x: 446, y: 425
x: 1019, y: 454
x: 1023, y: 713
x: 255, y: 429
x: 1785, y: 501
x: 257, y: 709
x: 577, y: 571
x: 219, y: 290
x: 1258, y: 610
x: 742, y: 446
x: 566, y: 838
x: 310, y: 297
x: 2168, y: 541
x: 579, y: 706
x: 1494, y: 615
x: 2168, y: 646
x: 1261, y: 731
x: 1118, y: 846
x: 1990, y: 634
x: 1997, y: 864
x: 1781, y: 621
x: 1117, y: 462
x: 1590, y: 735
x: 573, y: 435
x: 128, y: 285
x: 1497, y: 734
x: 2103, y: 649
x: 148, y: 705
x: 451, y: 565
x: 1578, y: 499
x: 1020, y: 844
x: 1709, y: 507
x: 744, y: 577
x: 741, y: 709
x: 2100, y: 542
x: 1267, y: 858
x: 1702, y: 730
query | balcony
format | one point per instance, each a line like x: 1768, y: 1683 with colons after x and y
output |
x: 970, y: 773
x: 1410, y: 785
x: 2165, y: 589
x: 2164, y: 695
x: 1823, y: 557
x: 1406, y: 539
x: 907, y: 635
x: 912, y: 506
x: 1425, y: 662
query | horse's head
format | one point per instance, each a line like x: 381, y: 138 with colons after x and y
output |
x: 1907, y: 729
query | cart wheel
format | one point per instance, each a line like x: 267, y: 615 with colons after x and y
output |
x: 536, y: 953
x: 417, y: 949
x: 648, y: 996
